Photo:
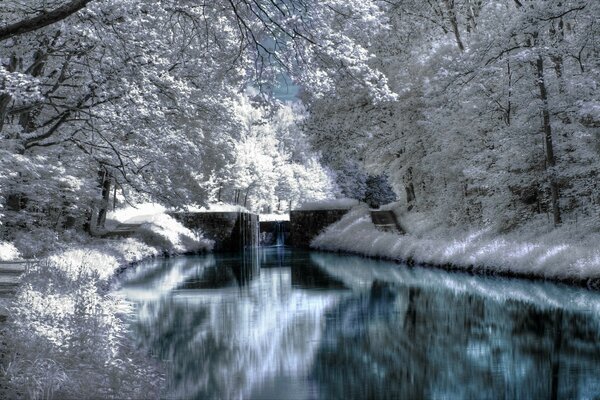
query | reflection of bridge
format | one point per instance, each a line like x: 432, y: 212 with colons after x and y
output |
x: 240, y: 271
x: 229, y: 318
x: 399, y: 332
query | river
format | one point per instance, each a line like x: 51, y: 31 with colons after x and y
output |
x: 288, y: 324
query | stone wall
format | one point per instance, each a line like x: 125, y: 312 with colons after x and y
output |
x: 307, y: 224
x: 231, y: 231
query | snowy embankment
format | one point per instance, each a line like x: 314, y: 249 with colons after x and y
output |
x: 8, y: 252
x: 565, y: 253
x: 66, y: 335
x: 343, y: 203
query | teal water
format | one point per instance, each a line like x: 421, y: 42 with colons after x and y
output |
x: 284, y: 324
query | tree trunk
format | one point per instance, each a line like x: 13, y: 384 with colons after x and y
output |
x: 6, y: 98
x: 454, y: 23
x: 474, y: 8
x: 42, y: 20
x: 547, y: 127
x: 105, y: 183
x: 246, y: 196
x: 410, y: 189
x: 115, y: 196
x: 509, y: 102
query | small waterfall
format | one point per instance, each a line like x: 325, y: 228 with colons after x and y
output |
x: 279, y: 234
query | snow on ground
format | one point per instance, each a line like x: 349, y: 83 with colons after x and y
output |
x: 8, y: 252
x: 163, y: 231
x: 332, y: 204
x: 218, y: 207
x: 273, y: 217
x: 554, y: 253
x: 159, y: 229
x: 136, y: 214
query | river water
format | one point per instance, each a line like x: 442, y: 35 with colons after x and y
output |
x: 287, y: 324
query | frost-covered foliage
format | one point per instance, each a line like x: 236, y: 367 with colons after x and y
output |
x: 166, y: 233
x: 496, y: 119
x: 65, y: 330
x: 66, y: 337
x: 160, y: 230
x: 8, y: 252
x: 273, y: 168
x: 569, y: 252
x: 141, y: 95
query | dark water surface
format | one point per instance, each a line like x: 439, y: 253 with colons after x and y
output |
x: 283, y: 324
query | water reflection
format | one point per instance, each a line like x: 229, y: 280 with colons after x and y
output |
x: 282, y: 324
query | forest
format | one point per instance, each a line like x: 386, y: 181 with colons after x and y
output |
x: 478, y: 112
x: 477, y: 121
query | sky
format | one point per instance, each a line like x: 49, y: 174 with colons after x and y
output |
x: 285, y: 89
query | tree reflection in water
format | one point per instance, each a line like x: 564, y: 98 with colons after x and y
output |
x: 310, y: 325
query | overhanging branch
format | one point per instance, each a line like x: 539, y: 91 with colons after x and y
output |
x: 42, y: 20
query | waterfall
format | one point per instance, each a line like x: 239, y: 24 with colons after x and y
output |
x: 279, y: 234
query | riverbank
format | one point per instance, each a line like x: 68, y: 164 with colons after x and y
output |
x: 66, y: 335
x: 567, y: 254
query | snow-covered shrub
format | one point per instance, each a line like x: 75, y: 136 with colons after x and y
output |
x: 8, y: 251
x: 565, y: 252
x: 160, y: 230
x: 166, y: 233
x: 66, y: 337
x: 36, y: 242
x: 136, y: 214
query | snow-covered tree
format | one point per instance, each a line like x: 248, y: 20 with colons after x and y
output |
x: 488, y: 125
x: 139, y: 95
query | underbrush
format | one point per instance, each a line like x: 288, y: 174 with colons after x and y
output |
x: 568, y: 252
x: 67, y: 337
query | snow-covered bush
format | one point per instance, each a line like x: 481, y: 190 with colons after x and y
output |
x: 8, y: 251
x: 39, y: 241
x: 564, y: 253
x: 166, y: 233
x: 67, y: 338
x: 160, y: 230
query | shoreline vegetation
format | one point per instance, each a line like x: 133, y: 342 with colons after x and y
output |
x: 67, y: 335
x: 556, y: 255
x: 66, y: 329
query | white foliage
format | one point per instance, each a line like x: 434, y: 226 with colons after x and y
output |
x: 65, y: 331
x: 8, y: 252
x: 163, y: 231
x: 542, y: 253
